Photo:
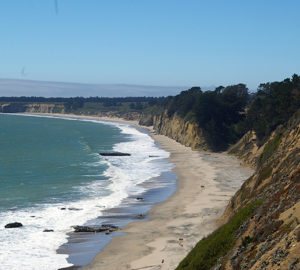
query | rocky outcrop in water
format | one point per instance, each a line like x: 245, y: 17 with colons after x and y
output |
x: 93, y: 229
x: 114, y: 154
x: 13, y: 225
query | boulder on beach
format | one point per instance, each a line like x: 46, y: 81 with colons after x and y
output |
x: 13, y: 225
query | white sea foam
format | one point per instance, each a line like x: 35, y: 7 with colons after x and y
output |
x: 29, y: 247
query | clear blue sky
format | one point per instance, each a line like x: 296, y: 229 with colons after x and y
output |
x: 150, y: 42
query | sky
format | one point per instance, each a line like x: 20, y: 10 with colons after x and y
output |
x: 150, y: 42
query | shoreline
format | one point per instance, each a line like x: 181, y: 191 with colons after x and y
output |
x: 176, y: 225
x: 206, y: 182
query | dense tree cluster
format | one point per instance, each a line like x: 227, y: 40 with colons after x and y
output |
x: 216, y: 111
x: 226, y: 113
x: 273, y: 105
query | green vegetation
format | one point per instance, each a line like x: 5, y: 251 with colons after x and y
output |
x: 217, y: 112
x: 93, y: 108
x: 273, y: 105
x: 265, y: 173
x: 247, y: 240
x: 207, y: 252
x: 227, y: 113
x: 269, y: 149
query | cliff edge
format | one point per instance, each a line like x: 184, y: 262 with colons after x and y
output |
x: 261, y: 224
x: 184, y: 132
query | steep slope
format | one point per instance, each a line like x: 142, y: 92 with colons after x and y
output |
x: 184, y: 132
x: 262, y: 220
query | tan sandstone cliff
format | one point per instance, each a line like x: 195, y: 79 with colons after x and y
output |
x: 184, y: 132
x: 270, y: 239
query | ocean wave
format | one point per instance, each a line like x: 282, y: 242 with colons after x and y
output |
x: 29, y: 247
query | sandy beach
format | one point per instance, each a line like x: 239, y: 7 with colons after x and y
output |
x: 206, y: 182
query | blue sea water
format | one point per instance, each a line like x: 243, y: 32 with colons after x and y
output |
x: 45, y: 160
x: 52, y: 177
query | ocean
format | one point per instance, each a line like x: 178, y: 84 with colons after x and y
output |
x: 52, y: 178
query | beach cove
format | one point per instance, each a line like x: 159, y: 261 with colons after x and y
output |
x: 206, y: 182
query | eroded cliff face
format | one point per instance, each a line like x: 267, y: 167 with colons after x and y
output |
x: 32, y: 108
x: 247, y: 149
x: 188, y: 134
x: 270, y: 239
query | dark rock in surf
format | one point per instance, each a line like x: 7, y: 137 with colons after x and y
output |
x: 85, y: 229
x: 140, y: 216
x: 89, y: 229
x: 114, y: 154
x: 13, y: 225
x: 46, y: 230
x: 140, y: 198
x: 109, y: 227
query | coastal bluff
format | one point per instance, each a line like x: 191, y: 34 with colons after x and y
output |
x: 268, y: 237
x: 260, y: 227
x: 184, y: 132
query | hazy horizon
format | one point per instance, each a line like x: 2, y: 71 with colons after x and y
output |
x: 22, y: 87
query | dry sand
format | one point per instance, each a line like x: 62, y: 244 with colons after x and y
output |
x: 206, y: 182
x: 176, y: 225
